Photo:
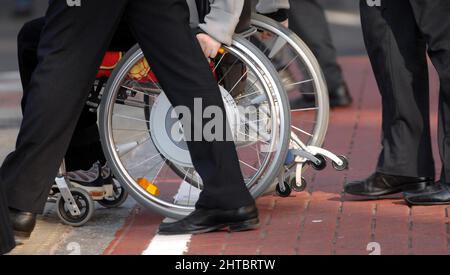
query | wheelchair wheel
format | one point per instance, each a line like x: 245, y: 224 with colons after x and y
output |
x: 84, y: 203
x: 153, y: 163
x: 301, y: 75
x: 118, y: 198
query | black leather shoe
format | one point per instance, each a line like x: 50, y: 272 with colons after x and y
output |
x: 381, y: 185
x: 209, y: 220
x: 23, y: 222
x: 340, y: 97
x: 437, y: 195
x: 431, y: 187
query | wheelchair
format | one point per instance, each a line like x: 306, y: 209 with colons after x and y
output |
x: 267, y: 71
x: 260, y: 74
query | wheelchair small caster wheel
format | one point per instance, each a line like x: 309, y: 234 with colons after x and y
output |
x: 299, y: 188
x: 344, y: 165
x: 319, y: 166
x: 118, y: 198
x: 287, y: 190
x: 85, y: 204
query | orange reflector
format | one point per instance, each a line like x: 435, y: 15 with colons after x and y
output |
x: 148, y: 186
x: 97, y: 194
x: 221, y: 51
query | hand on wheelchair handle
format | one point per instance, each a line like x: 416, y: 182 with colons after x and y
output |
x: 210, y: 46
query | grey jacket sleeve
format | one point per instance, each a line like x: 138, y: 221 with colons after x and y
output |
x: 221, y: 22
x: 270, y: 6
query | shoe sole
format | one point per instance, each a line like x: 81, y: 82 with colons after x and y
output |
x: 233, y: 227
x: 425, y: 203
x: 407, y: 188
x: 244, y: 226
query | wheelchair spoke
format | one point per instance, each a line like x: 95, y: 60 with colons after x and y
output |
x: 132, y: 118
x: 259, y: 153
x: 133, y: 103
x: 143, y: 162
x: 248, y: 88
x: 260, y: 140
x: 228, y: 71
x: 288, y: 64
x: 306, y: 109
x: 237, y: 82
x: 307, y: 121
x: 132, y: 137
x: 141, y: 92
x: 247, y: 95
x: 259, y: 156
x: 138, y: 144
x: 218, y: 63
x: 156, y: 84
x: 248, y: 165
x: 159, y: 171
x: 130, y: 130
x: 302, y: 131
x: 299, y: 83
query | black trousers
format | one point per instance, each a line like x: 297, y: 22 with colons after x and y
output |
x: 7, y: 242
x: 397, y: 36
x: 307, y: 20
x: 85, y: 148
x: 72, y: 44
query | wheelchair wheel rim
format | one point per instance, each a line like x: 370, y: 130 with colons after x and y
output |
x: 309, y: 123
x: 114, y: 151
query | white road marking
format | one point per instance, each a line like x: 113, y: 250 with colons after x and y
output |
x: 168, y: 245
x: 179, y: 244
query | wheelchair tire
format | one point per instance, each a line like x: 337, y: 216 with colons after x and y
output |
x: 119, y: 198
x: 264, y: 71
x: 84, y: 203
x: 312, y: 68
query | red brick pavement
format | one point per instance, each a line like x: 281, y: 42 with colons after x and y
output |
x: 137, y: 232
x: 323, y: 220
